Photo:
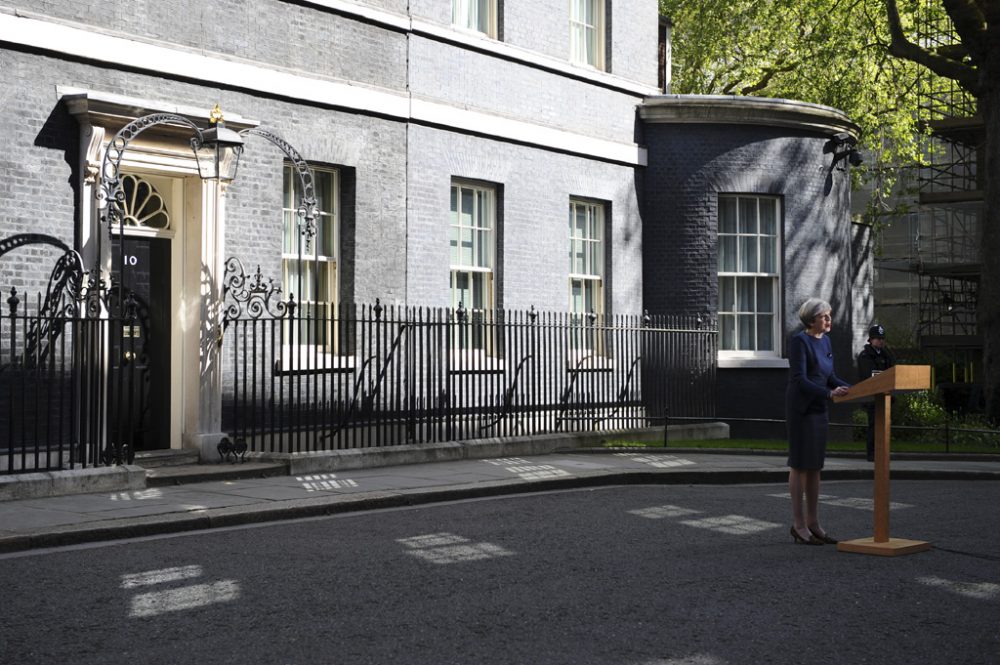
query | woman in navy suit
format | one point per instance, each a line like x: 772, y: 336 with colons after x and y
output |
x: 812, y: 383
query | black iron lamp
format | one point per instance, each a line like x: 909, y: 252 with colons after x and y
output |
x: 218, y: 150
x: 842, y: 145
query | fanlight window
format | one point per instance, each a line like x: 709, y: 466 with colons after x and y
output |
x: 144, y: 207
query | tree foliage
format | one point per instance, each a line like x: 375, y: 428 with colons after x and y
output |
x: 875, y: 60
x: 830, y: 52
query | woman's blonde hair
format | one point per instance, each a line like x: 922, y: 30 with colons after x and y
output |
x: 811, y: 309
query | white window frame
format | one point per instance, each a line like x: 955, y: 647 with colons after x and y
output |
x: 324, y: 249
x: 586, y: 271
x: 743, y: 247
x: 476, y: 230
x: 477, y: 16
x: 586, y: 34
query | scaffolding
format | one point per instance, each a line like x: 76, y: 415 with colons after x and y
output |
x: 931, y: 259
x: 938, y: 243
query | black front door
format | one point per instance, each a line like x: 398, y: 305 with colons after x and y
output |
x: 139, y: 408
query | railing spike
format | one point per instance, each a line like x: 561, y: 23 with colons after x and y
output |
x: 13, y: 301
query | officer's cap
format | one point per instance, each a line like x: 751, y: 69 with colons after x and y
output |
x: 876, y: 331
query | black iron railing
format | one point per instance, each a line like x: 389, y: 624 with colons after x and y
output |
x: 75, y: 368
x: 72, y: 384
x: 315, y: 377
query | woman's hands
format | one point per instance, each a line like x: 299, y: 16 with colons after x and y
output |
x: 839, y: 391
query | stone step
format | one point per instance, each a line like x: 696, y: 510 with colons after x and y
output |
x: 201, y: 473
x: 155, y: 459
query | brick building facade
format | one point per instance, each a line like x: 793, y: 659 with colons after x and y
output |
x: 411, y: 111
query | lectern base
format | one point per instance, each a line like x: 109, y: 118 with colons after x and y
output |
x: 891, y: 547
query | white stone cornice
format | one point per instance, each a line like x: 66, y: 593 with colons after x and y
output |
x: 530, y: 58
x: 95, y: 105
x: 434, y: 113
x: 730, y: 109
x: 372, y: 14
x: 482, y: 43
x: 159, y: 58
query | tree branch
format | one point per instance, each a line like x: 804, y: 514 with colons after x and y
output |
x: 902, y: 47
x: 969, y: 24
x: 990, y: 10
x: 956, y: 52
x: 769, y: 73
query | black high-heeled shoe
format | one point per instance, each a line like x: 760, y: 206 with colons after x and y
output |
x: 823, y: 537
x: 799, y: 540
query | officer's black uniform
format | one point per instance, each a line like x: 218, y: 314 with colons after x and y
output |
x: 872, y: 360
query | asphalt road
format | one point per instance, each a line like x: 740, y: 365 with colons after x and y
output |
x: 701, y: 575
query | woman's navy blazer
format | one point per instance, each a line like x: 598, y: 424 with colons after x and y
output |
x: 810, y: 378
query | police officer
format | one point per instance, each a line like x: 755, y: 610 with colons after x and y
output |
x: 874, y: 358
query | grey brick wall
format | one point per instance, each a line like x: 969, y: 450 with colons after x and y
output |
x: 312, y: 38
x: 634, y: 25
x: 536, y: 188
x: 397, y: 176
x: 544, y: 27
x: 479, y: 81
x: 38, y: 166
x: 374, y: 151
x: 281, y: 34
x: 690, y: 165
x: 371, y: 151
x: 433, y: 10
x: 862, y: 295
x: 39, y: 196
x: 538, y: 26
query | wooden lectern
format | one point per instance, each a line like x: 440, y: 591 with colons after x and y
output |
x: 901, y: 378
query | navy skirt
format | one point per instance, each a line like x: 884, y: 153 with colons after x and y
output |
x: 807, y: 439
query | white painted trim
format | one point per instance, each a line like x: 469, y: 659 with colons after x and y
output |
x: 531, y: 58
x: 731, y: 109
x: 373, y: 14
x: 82, y: 101
x: 175, y: 61
x: 525, y: 132
x: 481, y: 42
x: 83, y: 42
x: 752, y: 363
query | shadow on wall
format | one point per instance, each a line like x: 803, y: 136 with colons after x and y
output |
x: 60, y: 132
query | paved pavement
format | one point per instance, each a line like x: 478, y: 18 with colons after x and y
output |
x: 65, y: 520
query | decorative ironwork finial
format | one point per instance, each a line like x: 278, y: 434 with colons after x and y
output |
x: 216, y: 115
x: 532, y: 314
x: 378, y: 309
x: 254, y: 296
x: 13, y: 301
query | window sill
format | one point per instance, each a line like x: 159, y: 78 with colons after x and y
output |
x: 595, y: 363
x: 587, y: 67
x: 310, y: 362
x: 482, y: 42
x: 753, y: 363
x: 476, y: 365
